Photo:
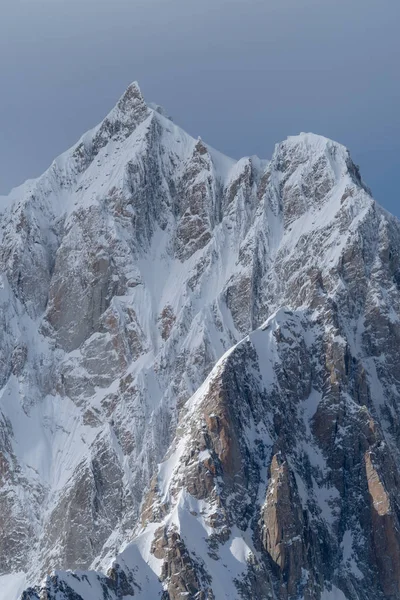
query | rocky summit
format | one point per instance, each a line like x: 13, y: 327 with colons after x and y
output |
x: 199, y: 373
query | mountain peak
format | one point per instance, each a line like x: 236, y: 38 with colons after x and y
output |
x: 140, y: 263
x: 131, y: 98
x: 314, y: 147
x: 128, y: 113
x: 313, y: 171
x: 311, y: 147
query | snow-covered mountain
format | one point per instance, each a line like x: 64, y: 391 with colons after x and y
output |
x: 199, y: 373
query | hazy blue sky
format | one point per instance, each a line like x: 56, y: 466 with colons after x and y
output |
x: 243, y: 74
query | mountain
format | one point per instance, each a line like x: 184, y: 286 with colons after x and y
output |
x: 199, y: 373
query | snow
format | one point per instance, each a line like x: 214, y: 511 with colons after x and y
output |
x: 240, y: 550
x: 49, y: 438
x: 333, y: 594
x: 310, y: 408
x: 224, y: 166
x: 168, y: 467
x: 204, y: 454
x: 348, y: 554
x: 12, y: 586
x: 232, y: 556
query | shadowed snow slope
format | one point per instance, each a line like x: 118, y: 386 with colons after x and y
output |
x: 199, y: 373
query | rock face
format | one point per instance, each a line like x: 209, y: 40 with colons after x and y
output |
x: 199, y: 373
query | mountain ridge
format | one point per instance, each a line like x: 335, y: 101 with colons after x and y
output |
x: 139, y: 259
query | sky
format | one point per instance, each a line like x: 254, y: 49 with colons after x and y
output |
x: 242, y: 74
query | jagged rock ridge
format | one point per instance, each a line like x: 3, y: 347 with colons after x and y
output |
x: 140, y: 265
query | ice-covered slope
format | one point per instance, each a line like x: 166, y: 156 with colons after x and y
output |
x: 128, y: 270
